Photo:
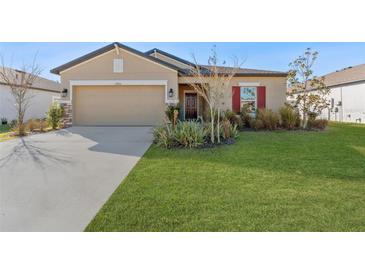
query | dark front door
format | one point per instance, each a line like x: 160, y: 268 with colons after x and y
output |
x: 191, y: 106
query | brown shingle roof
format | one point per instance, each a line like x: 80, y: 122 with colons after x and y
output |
x: 107, y: 48
x: 241, y: 71
x: 346, y: 76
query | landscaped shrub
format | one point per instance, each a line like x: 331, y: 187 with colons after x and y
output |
x: 172, y: 113
x: 208, y: 131
x: 164, y: 136
x: 30, y: 125
x: 13, y: 123
x: 192, y: 134
x: 54, y: 115
x: 317, y: 124
x: 43, y: 124
x: 270, y: 119
x: 289, y: 117
x: 4, y: 121
x: 256, y: 124
x: 189, y: 134
x: 229, y: 130
x: 233, y: 118
x: 246, y: 116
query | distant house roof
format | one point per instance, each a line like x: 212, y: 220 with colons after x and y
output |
x: 41, y: 83
x: 342, y: 77
x: 345, y: 76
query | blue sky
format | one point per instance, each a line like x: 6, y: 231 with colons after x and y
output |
x: 272, y: 56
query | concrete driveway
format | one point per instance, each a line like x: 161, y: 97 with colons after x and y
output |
x: 59, y: 180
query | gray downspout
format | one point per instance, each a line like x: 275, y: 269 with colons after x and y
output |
x: 341, y: 105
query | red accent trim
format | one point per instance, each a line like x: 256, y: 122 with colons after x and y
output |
x: 261, y: 97
x: 236, y: 99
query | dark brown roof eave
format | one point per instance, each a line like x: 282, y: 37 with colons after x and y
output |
x: 183, y: 74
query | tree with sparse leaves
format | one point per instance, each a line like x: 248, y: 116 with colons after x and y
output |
x: 310, y: 92
x: 212, y: 83
x: 20, y: 83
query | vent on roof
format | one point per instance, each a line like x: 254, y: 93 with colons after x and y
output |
x: 118, y: 65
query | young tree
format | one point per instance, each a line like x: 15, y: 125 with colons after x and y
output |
x: 310, y: 92
x: 20, y: 82
x: 212, y: 83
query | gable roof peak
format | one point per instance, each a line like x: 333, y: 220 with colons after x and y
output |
x: 105, y: 49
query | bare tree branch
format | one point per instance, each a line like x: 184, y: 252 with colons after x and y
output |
x: 212, y: 83
x: 20, y: 82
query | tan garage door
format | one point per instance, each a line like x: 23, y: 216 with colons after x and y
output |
x: 118, y: 105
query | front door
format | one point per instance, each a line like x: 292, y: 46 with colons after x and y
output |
x: 191, y: 106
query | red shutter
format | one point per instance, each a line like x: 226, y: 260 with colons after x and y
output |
x: 261, y: 97
x: 236, y: 99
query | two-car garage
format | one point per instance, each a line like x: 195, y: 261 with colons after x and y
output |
x: 117, y: 86
x: 118, y: 105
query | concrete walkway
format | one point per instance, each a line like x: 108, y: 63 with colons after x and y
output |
x: 59, y: 180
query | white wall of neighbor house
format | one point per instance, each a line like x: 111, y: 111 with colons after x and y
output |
x: 39, y: 104
x: 347, y: 104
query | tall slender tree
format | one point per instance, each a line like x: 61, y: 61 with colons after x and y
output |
x: 212, y: 83
x: 310, y: 92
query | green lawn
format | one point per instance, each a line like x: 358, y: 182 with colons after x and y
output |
x: 4, y: 128
x: 267, y: 181
x: 4, y: 133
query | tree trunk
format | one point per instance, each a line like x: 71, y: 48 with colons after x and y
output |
x: 218, y: 135
x: 20, y: 120
x: 305, y: 120
x: 212, y: 125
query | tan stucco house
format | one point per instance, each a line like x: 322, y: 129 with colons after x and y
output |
x: 118, y: 85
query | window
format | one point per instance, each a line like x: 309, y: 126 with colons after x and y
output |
x: 118, y: 65
x: 249, y: 98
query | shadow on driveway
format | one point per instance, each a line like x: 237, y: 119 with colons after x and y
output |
x: 58, y: 181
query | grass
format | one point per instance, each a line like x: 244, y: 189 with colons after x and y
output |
x: 4, y: 133
x: 267, y: 181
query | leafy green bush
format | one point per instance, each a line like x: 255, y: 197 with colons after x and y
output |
x: 13, y: 123
x: 30, y: 125
x: 172, y: 113
x: 289, y: 117
x: 317, y: 124
x: 246, y: 116
x: 189, y: 134
x: 208, y: 131
x: 256, y: 124
x: 54, y: 115
x: 270, y: 119
x: 233, y: 118
x: 229, y: 130
x: 164, y: 136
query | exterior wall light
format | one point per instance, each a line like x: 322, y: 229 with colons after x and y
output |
x: 171, y: 93
x: 64, y: 92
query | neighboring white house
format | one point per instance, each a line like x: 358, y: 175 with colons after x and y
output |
x: 347, y: 95
x: 42, y: 94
